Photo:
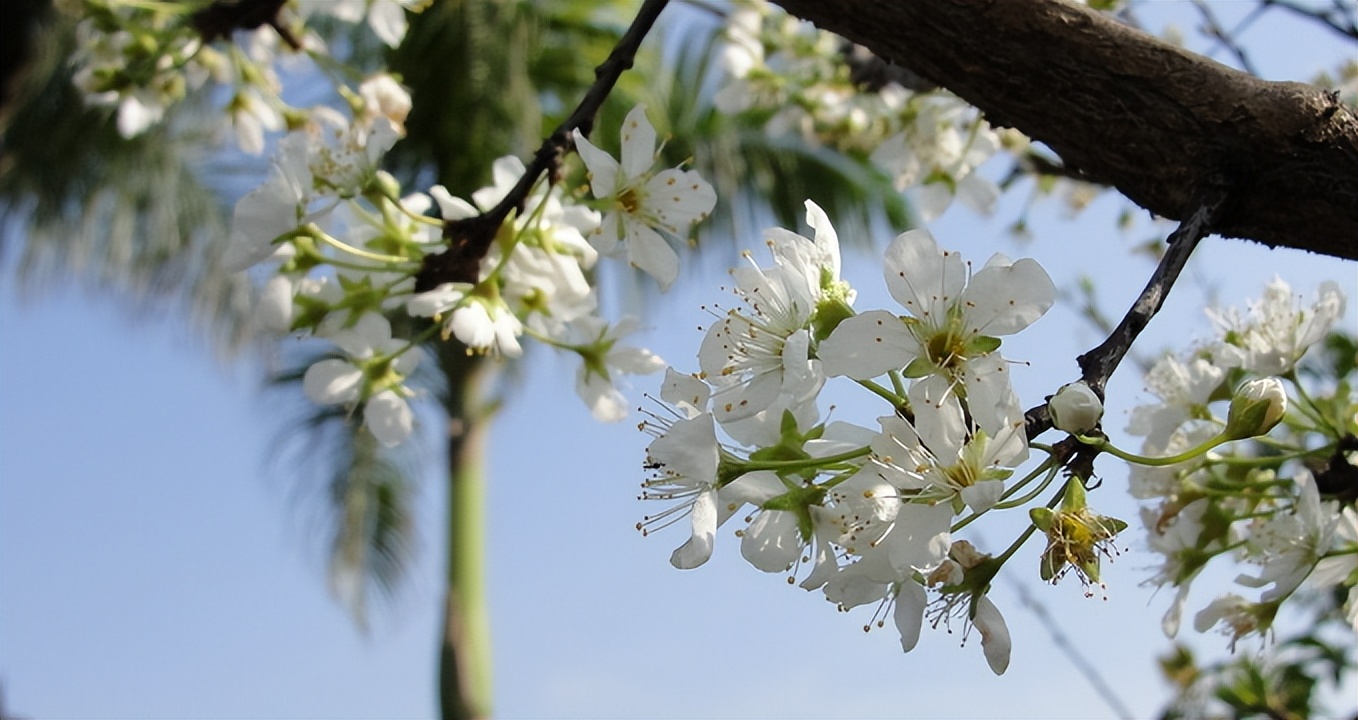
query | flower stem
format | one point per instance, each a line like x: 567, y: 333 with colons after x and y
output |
x: 1104, y: 446
x: 891, y: 397
x: 808, y: 463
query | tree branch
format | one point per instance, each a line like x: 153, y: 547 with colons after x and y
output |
x: 1127, y: 110
x: 1098, y: 364
x: 470, y: 239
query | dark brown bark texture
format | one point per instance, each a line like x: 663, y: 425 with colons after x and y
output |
x: 1129, y: 111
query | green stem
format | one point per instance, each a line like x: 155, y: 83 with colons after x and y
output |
x: 338, y: 244
x: 812, y: 462
x: 1104, y: 446
x: 891, y: 397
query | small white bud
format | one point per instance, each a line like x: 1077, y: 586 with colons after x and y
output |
x: 1257, y: 406
x: 1075, y: 408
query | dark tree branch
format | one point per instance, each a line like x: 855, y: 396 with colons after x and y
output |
x: 470, y: 239
x: 1098, y: 364
x: 1131, y: 111
x: 221, y: 18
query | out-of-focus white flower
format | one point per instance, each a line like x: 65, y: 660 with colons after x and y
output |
x: 1184, y: 390
x: 272, y: 210
x: 482, y: 324
x: 936, y: 156
x: 384, y: 97
x: 347, y: 382
x: 1288, y: 545
x: 386, y: 17
x: 603, y: 358
x: 1277, y: 332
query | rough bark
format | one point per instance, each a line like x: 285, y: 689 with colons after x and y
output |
x: 1127, y: 110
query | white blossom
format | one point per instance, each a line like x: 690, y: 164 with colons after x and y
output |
x: 350, y: 381
x: 643, y: 203
x: 951, y: 327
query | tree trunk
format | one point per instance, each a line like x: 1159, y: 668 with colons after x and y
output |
x: 1127, y: 110
x: 464, y: 654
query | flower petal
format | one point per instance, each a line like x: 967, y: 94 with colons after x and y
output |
x: 638, y: 144
x: 994, y: 635
x: 389, y: 418
x: 867, y: 345
x: 1004, y: 297
x: 922, y: 277
x: 909, y: 615
x: 698, y: 548
x: 649, y: 252
x: 602, y: 168
x: 331, y: 382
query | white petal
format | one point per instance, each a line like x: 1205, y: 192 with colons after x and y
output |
x: 605, y: 402
x: 990, y: 396
x: 772, y: 542
x: 438, y: 300
x: 634, y: 360
x: 678, y: 199
x: 920, y: 539
x: 638, y: 144
x: 994, y: 635
x: 698, y: 549
x: 868, y: 345
x: 827, y: 240
x: 602, y: 168
x: 274, y: 310
x: 939, y: 419
x: 388, y: 417
x: 909, y: 615
x: 735, y: 401
x: 689, y: 450
x: 606, y: 237
x: 471, y: 324
x: 649, y: 252
x: 922, y: 277
x: 259, y: 218
x: 450, y: 207
x: 685, y: 392
x: 983, y: 495
x: 1005, y: 298
x: 332, y: 381
x: 388, y: 22
x: 369, y: 334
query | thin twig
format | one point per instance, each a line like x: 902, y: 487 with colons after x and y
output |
x: 470, y: 239
x: 1342, y: 19
x: 1212, y: 28
x: 1064, y: 644
x: 1098, y: 364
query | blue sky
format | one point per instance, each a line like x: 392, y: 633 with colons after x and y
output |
x: 155, y: 563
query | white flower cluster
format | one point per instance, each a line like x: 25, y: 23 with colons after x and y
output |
x: 871, y: 510
x: 788, y: 77
x: 1257, y: 503
x: 144, y: 57
x: 345, y: 246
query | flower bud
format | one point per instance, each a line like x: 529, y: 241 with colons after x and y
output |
x: 1257, y: 406
x: 1075, y: 408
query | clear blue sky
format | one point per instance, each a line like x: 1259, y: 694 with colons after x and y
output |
x: 153, y: 562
